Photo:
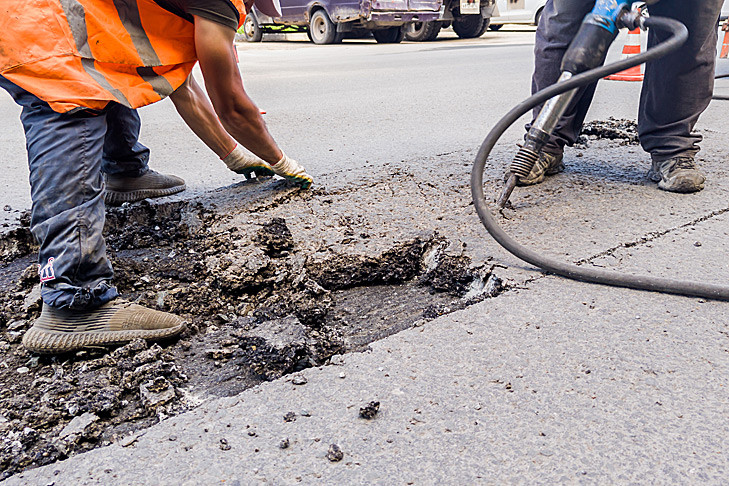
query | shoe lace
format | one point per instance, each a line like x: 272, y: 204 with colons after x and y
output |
x: 684, y: 163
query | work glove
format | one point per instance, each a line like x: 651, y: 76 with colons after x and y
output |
x: 242, y: 163
x: 291, y: 170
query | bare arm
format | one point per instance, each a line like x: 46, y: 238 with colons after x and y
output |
x: 238, y: 114
x: 195, y: 108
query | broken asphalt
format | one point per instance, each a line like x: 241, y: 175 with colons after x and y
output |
x: 548, y: 381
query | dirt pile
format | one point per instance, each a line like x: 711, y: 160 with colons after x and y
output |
x: 626, y: 131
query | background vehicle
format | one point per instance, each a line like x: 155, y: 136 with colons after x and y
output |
x: 516, y: 12
x: 469, y: 19
x: 328, y: 21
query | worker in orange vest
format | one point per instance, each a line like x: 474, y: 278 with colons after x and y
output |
x: 79, y: 79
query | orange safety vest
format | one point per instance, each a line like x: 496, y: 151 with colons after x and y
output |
x: 86, y: 53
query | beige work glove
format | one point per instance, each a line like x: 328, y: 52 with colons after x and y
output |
x: 242, y: 163
x: 291, y: 170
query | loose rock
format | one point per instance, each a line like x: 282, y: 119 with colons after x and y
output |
x: 370, y: 410
x: 335, y: 454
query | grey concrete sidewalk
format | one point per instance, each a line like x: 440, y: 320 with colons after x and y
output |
x: 603, y: 388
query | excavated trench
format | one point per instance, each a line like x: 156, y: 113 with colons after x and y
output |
x: 258, y: 304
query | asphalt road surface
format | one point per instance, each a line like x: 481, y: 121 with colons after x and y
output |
x: 553, y: 381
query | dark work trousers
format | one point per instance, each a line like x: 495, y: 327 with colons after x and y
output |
x: 67, y: 154
x: 676, y: 88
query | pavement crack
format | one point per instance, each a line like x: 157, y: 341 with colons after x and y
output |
x: 655, y: 235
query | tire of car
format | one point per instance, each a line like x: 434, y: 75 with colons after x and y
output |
x: 251, y: 30
x: 390, y: 35
x: 470, y: 26
x: 422, y: 31
x: 495, y: 26
x: 322, y: 30
x: 538, y: 16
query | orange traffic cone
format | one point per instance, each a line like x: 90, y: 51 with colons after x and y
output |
x: 631, y: 48
x: 725, y: 46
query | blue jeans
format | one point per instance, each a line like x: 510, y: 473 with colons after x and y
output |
x: 67, y: 154
x: 676, y: 88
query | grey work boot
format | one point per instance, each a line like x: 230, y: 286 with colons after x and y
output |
x: 116, y: 322
x: 121, y: 189
x: 679, y: 174
x: 546, y: 165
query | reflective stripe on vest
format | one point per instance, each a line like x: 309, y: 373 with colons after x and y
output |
x: 85, y: 53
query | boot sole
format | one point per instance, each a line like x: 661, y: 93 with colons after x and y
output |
x: 115, y: 198
x: 44, y: 341
x: 682, y: 185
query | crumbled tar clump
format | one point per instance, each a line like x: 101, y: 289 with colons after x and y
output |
x: 611, y: 129
x: 275, y: 237
x: 370, y: 410
x: 335, y: 454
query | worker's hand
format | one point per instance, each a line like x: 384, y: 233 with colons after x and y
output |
x: 240, y: 117
x: 249, y: 165
x: 291, y: 170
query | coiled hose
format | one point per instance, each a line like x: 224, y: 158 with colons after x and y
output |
x: 679, y: 34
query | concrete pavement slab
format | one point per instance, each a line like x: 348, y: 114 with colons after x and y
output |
x: 605, y: 387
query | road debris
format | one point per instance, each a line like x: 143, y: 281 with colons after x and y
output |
x: 370, y: 410
x: 335, y: 454
x: 299, y: 380
x: 265, y: 296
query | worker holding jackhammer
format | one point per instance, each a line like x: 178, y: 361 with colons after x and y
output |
x: 676, y: 89
x: 79, y: 69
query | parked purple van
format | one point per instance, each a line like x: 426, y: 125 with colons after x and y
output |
x: 328, y: 21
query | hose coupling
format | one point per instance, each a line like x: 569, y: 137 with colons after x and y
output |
x: 631, y: 20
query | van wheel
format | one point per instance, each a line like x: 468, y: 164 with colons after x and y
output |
x: 538, y: 16
x: 422, y: 31
x: 322, y: 30
x: 470, y: 26
x: 251, y: 30
x: 391, y: 35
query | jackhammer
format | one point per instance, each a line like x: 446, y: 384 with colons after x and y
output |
x: 581, y: 65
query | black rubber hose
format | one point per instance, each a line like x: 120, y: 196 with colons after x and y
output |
x: 720, y: 97
x: 606, y: 277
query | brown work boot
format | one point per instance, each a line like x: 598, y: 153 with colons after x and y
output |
x: 679, y: 174
x: 116, y: 322
x: 546, y: 165
x: 121, y: 189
